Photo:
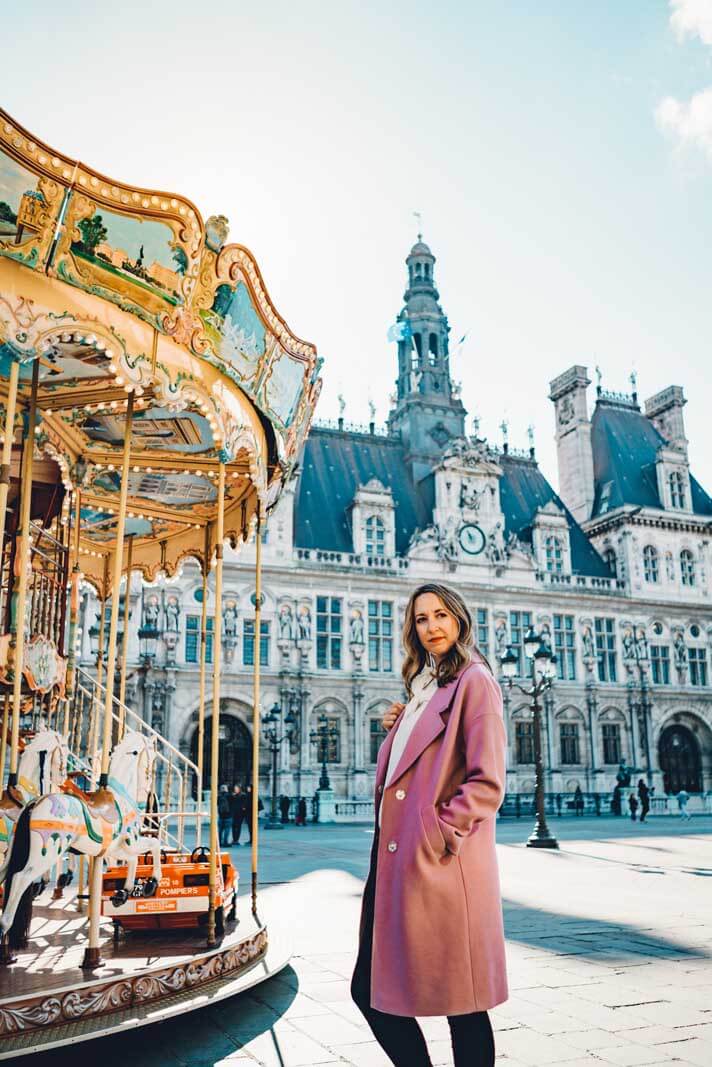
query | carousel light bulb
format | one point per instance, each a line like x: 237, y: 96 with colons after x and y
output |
x: 114, y: 404
x: 101, y: 345
x: 112, y: 367
x: 110, y: 467
x: 149, y: 470
x: 136, y: 470
x: 119, y: 380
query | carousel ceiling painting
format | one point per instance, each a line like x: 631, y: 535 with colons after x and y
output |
x: 123, y: 309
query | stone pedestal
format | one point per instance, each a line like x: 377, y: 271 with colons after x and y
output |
x: 326, y: 805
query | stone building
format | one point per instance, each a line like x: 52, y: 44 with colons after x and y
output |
x: 615, y: 568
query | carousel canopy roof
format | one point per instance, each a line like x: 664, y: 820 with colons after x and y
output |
x: 118, y: 290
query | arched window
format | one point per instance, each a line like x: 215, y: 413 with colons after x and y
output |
x: 433, y: 347
x: 554, y: 555
x: 677, y: 490
x: 687, y: 567
x: 417, y: 268
x: 650, y: 564
x: 375, y: 536
x: 426, y: 270
x: 612, y: 560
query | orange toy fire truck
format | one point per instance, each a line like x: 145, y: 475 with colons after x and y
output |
x: 180, y: 899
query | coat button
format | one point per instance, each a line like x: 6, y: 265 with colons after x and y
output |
x: 392, y: 846
x: 400, y: 794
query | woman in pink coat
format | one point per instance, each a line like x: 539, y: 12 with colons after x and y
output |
x: 431, y: 936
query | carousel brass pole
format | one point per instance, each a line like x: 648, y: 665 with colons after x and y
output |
x: 93, y: 740
x: 92, y: 953
x: 7, y: 447
x: 125, y: 644
x: 73, y: 616
x: 201, y: 684
x: 23, y: 561
x: 115, y: 586
x: 215, y: 719
x: 254, y: 814
x: 3, y: 740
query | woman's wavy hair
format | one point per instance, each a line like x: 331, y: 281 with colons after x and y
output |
x: 464, y: 650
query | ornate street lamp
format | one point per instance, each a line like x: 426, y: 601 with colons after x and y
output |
x: 275, y: 736
x: 148, y: 643
x: 324, y: 733
x: 543, y: 671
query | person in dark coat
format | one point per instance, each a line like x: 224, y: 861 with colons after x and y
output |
x: 644, y: 795
x: 284, y: 806
x: 224, y: 820
x: 237, y: 813
x: 301, y: 819
x: 578, y: 800
x: 633, y: 805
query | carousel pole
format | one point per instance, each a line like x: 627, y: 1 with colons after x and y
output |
x: 93, y: 739
x: 201, y: 684
x: 3, y: 740
x: 125, y: 643
x: 23, y: 562
x: 7, y: 447
x: 254, y: 814
x: 91, y: 953
x: 215, y: 719
x: 73, y: 615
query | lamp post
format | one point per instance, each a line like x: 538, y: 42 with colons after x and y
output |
x: 275, y: 734
x: 323, y: 734
x: 542, y: 663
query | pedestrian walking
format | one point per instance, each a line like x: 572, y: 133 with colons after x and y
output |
x: 224, y: 820
x: 284, y: 806
x: 644, y: 797
x: 248, y: 809
x: 237, y: 812
x: 301, y: 819
x: 682, y: 798
x: 578, y: 800
x: 431, y: 936
x: 633, y: 805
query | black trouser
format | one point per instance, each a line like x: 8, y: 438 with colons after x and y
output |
x: 399, y: 1036
x: 236, y: 830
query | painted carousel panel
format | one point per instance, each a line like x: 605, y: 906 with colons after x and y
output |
x: 235, y: 330
x: 29, y: 206
x: 284, y: 386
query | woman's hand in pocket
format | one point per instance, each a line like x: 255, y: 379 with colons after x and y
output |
x: 391, y: 714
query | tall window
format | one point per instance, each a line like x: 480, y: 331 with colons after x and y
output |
x: 375, y: 536
x: 248, y: 643
x: 660, y: 664
x: 554, y: 554
x: 677, y: 490
x: 611, y: 733
x: 565, y: 647
x: 525, y: 742
x: 192, y: 639
x: 605, y: 649
x: 687, y: 567
x: 650, y: 564
x: 328, y: 632
x: 519, y: 623
x: 380, y: 635
x: 376, y: 735
x: 569, y: 738
x: 482, y: 630
x: 697, y: 659
x: 612, y: 560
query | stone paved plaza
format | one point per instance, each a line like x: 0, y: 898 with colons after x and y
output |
x: 609, y: 949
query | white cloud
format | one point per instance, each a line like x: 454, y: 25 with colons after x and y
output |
x: 689, y: 122
x: 692, y: 18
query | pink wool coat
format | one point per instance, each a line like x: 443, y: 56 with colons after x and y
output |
x: 438, y: 939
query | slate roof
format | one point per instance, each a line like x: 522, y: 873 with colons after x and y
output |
x: 336, y: 462
x: 625, y: 444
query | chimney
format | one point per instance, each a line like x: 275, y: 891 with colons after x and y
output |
x: 573, y: 441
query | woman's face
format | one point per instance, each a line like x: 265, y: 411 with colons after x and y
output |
x: 437, y: 628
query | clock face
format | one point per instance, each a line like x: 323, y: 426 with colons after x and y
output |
x: 472, y: 539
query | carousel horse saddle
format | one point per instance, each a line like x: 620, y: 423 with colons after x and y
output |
x: 11, y: 800
x: 101, y: 804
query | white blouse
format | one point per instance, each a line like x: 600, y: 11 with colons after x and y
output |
x: 422, y: 687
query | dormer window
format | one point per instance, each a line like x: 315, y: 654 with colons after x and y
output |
x: 375, y: 536
x: 687, y: 567
x: 612, y: 561
x: 676, y: 482
x: 554, y: 551
x: 650, y: 564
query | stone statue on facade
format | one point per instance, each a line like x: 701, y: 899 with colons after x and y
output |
x: 172, y: 612
x: 304, y: 623
x: 679, y: 651
x: 628, y: 646
x: 230, y: 618
x: 641, y: 644
x: 356, y: 632
x: 447, y: 543
x: 470, y: 497
x: 151, y: 612
x: 427, y: 536
x: 495, y: 549
x: 286, y: 623
x: 589, y: 652
x: 500, y: 638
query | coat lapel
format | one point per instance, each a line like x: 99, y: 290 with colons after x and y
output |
x: 429, y: 725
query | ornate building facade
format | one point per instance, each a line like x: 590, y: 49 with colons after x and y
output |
x: 615, y: 569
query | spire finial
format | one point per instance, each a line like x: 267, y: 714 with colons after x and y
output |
x: 419, y: 217
x: 504, y: 427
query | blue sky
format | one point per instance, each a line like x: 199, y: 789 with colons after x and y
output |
x: 567, y: 204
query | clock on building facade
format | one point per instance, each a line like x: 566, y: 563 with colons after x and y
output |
x: 472, y: 539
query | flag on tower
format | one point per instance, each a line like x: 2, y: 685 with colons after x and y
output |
x: 400, y: 331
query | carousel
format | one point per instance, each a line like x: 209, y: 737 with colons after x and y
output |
x: 153, y: 403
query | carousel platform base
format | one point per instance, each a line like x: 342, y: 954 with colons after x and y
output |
x: 47, y: 1000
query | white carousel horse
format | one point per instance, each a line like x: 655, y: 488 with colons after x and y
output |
x: 42, y: 768
x: 105, y: 824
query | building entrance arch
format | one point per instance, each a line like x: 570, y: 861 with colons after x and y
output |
x: 680, y: 759
x: 235, y: 750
